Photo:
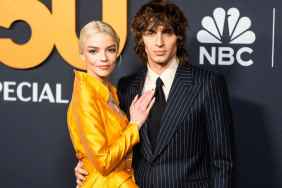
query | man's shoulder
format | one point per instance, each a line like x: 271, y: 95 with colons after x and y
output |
x: 200, y: 74
x: 126, y: 81
x: 135, y: 78
x: 128, y: 78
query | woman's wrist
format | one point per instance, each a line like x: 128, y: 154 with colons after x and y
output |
x: 135, y: 124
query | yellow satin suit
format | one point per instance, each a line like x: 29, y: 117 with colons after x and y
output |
x: 102, y: 138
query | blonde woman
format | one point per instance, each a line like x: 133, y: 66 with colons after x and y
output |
x: 101, y: 134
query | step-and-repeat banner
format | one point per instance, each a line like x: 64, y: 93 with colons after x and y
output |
x: 39, y: 51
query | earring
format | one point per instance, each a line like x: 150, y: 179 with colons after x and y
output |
x: 119, y: 59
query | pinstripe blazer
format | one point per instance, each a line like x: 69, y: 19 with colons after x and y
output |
x: 195, y: 145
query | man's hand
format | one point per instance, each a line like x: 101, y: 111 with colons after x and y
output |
x: 80, y: 173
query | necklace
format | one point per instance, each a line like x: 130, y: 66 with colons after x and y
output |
x: 115, y: 105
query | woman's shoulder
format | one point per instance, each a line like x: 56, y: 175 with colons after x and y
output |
x: 85, y: 88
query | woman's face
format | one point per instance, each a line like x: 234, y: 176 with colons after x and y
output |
x: 100, y: 55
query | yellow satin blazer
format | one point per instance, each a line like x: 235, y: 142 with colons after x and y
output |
x: 102, y: 138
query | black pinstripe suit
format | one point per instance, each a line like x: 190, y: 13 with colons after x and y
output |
x: 195, y: 145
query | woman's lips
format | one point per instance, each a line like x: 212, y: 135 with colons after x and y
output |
x: 159, y: 52
x: 104, y: 67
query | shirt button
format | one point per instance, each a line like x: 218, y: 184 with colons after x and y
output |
x: 129, y: 159
x: 128, y: 170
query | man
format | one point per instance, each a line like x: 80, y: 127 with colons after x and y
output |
x: 192, y: 143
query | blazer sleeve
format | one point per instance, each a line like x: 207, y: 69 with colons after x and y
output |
x: 94, y: 137
x: 220, y: 131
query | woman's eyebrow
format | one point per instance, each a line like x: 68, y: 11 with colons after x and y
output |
x: 98, y: 47
x: 92, y: 47
x: 111, y: 46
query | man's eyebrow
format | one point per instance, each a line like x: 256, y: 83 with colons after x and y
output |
x: 151, y: 29
x: 168, y: 30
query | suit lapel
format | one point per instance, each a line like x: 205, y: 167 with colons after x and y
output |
x: 138, y: 83
x: 181, y: 96
x: 136, y: 87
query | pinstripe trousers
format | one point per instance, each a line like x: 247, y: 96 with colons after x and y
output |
x: 195, y: 145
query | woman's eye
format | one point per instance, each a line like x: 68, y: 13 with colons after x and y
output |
x: 93, y: 51
x: 112, y: 50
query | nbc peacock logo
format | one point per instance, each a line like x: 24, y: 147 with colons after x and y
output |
x: 213, y: 31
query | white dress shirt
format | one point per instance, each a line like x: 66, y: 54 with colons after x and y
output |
x: 167, y: 77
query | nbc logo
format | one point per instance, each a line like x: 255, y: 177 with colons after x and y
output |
x: 239, y: 33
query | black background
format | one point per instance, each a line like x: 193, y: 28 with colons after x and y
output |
x: 36, y: 149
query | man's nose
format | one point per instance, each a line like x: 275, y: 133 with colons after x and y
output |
x: 159, y: 39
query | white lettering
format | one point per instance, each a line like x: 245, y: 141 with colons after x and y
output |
x: 35, y: 92
x: 7, y: 90
x: 59, y: 94
x: 239, y: 59
x: 222, y: 55
x: 49, y: 95
x: 20, y: 91
x: 13, y: 92
x: 210, y: 58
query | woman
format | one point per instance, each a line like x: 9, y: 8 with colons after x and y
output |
x: 101, y: 134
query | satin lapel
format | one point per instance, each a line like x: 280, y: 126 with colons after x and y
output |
x: 182, y: 94
x: 136, y: 88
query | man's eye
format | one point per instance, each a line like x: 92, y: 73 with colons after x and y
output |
x: 93, y: 51
x: 149, y: 33
x: 168, y: 33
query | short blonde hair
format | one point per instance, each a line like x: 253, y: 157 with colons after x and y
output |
x: 96, y: 27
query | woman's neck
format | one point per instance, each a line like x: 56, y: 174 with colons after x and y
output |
x: 103, y: 80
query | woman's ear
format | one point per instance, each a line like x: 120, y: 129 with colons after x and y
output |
x: 82, y: 56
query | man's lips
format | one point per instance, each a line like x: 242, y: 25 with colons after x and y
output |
x: 159, y: 52
x: 104, y: 67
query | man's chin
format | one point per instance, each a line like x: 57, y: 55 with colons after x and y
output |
x: 160, y: 61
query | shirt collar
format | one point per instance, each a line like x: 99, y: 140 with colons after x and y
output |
x: 167, y: 76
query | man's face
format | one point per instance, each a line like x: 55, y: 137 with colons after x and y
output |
x: 160, y: 46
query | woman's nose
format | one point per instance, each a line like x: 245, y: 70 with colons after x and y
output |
x: 104, y: 57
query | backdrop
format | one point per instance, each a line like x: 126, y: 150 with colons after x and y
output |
x: 38, y: 53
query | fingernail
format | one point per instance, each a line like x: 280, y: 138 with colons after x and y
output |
x: 136, y: 96
x: 154, y: 98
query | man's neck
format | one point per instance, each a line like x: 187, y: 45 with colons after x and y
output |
x: 160, y: 68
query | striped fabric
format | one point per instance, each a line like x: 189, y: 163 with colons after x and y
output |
x: 195, y: 145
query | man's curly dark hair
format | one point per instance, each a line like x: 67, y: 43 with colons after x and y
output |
x: 160, y: 13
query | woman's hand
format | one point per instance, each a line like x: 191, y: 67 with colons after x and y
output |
x: 140, y: 108
x: 80, y: 173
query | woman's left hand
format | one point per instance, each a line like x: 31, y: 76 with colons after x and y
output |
x: 140, y: 108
